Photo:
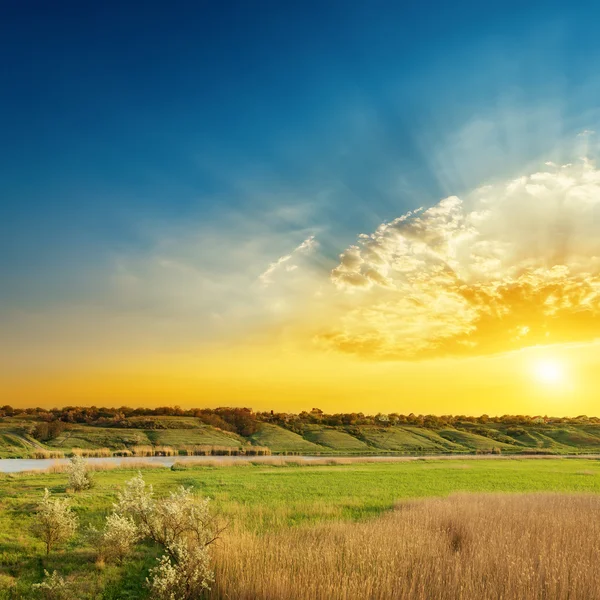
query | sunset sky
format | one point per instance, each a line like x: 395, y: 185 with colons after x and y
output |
x: 360, y: 206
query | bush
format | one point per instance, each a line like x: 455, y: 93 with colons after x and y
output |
x: 118, y: 538
x: 183, y: 526
x: 79, y: 477
x: 54, y: 587
x: 55, y: 522
x: 45, y: 432
x: 183, y: 573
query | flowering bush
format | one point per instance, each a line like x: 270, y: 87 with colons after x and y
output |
x: 183, y: 573
x: 79, y: 477
x: 118, y: 538
x: 55, y: 522
x: 182, y: 524
x: 54, y: 587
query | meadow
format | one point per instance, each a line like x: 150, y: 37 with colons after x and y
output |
x: 474, y: 528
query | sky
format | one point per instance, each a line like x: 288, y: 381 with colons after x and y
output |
x: 360, y: 206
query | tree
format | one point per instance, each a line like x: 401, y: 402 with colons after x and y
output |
x: 55, y: 521
x: 183, y: 526
x: 79, y: 477
x: 46, y: 431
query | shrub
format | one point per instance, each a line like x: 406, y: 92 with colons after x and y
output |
x: 79, y: 478
x: 183, y: 526
x: 183, y: 573
x: 44, y: 432
x: 55, y: 522
x: 54, y: 587
x: 118, y: 538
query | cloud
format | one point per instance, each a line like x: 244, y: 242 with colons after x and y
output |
x: 509, y: 265
x: 308, y: 245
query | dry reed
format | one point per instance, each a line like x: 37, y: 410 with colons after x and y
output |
x: 153, y: 451
x: 465, y: 547
x: 208, y: 450
x: 92, y: 452
x: 47, y: 454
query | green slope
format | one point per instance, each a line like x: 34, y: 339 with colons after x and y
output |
x: 473, y: 441
x: 81, y: 436
x: 336, y: 439
x: 399, y: 439
x: 282, y: 440
x: 200, y: 436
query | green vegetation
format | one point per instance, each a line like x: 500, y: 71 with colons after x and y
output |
x: 282, y: 440
x: 334, y: 438
x: 254, y: 498
x: 204, y: 435
x: 31, y: 432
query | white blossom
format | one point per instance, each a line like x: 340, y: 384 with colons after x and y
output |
x: 79, y: 478
x: 118, y: 538
x: 182, y: 524
x: 54, y: 521
x: 54, y: 587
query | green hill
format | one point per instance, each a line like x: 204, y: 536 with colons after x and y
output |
x: 178, y: 433
x: 282, y: 440
x: 336, y: 439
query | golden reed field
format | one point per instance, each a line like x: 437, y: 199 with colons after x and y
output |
x: 466, y: 546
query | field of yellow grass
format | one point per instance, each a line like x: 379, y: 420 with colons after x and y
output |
x: 466, y: 546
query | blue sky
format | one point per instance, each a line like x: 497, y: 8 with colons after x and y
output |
x: 125, y: 125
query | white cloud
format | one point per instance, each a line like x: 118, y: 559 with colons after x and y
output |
x: 510, y: 264
x: 308, y: 245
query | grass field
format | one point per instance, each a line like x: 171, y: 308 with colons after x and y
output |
x: 257, y: 501
x: 202, y: 435
x: 477, y: 546
x: 335, y: 439
x: 282, y: 440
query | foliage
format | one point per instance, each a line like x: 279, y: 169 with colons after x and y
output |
x: 182, y: 525
x: 118, y: 538
x: 53, y: 587
x: 79, y: 477
x: 46, y: 431
x: 183, y: 573
x: 55, y: 521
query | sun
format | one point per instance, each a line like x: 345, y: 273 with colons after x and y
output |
x: 549, y: 371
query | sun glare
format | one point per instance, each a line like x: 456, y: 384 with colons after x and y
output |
x: 549, y: 371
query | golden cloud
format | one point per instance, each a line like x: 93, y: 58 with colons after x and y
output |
x: 512, y: 265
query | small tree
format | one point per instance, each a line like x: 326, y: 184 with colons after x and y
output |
x: 55, y: 522
x: 183, y: 525
x: 79, y: 477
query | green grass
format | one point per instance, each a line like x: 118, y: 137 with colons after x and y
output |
x: 399, y: 439
x: 567, y: 436
x: 202, y: 435
x: 81, y: 436
x: 282, y: 440
x: 259, y: 498
x: 335, y: 439
x: 473, y: 440
x: 169, y: 422
x: 436, y: 438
